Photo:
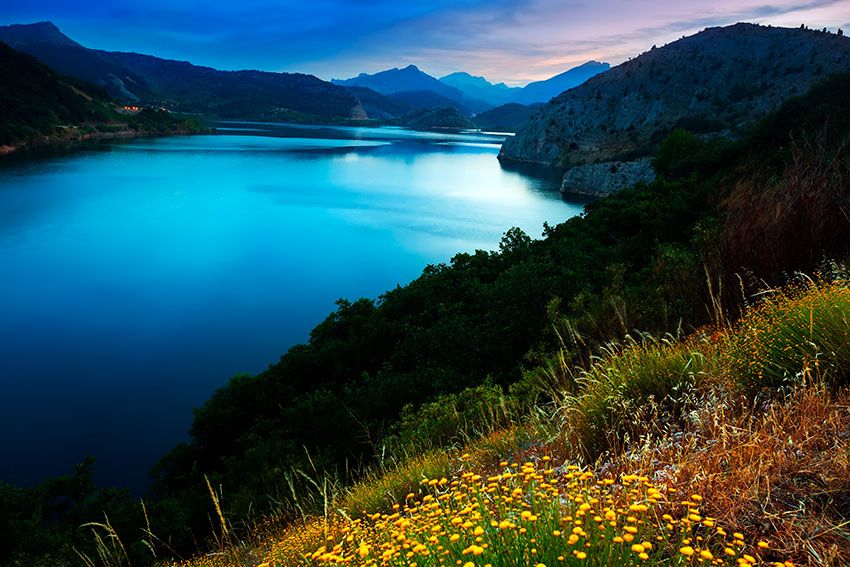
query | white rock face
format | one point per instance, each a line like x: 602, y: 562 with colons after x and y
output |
x: 600, y: 179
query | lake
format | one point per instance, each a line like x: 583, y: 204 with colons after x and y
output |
x: 138, y: 276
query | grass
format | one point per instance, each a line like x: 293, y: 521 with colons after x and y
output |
x: 791, y: 335
x: 648, y: 376
x: 659, y: 452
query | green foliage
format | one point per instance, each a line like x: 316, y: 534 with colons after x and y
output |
x: 453, y: 419
x: 37, y: 105
x: 42, y: 525
x: 793, y: 336
x: 35, y: 102
x: 682, y: 154
x: 649, y: 376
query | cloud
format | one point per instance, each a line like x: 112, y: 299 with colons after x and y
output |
x: 515, y: 41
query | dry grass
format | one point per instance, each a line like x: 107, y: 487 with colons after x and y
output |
x: 782, y: 474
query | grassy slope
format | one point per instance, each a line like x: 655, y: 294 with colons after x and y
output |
x: 774, y: 468
x: 750, y: 416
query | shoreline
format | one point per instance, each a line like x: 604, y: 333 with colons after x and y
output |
x: 47, y: 141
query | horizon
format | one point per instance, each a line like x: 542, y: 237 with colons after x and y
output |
x: 510, y: 41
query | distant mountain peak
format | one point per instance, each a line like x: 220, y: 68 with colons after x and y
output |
x: 411, y: 79
x: 44, y: 33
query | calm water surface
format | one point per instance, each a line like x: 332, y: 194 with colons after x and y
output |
x: 136, y: 277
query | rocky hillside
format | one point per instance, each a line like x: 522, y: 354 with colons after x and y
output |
x: 132, y: 77
x: 715, y: 82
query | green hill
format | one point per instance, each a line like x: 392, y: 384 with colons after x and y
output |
x: 39, y: 106
x: 443, y: 117
x: 36, y: 103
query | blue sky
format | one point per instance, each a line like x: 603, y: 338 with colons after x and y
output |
x: 515, y: 41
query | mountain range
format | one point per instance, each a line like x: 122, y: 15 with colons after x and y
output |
x: 538, y: 91
x: 716, y: 82
x: 473, y: 93
x: 134, y: 78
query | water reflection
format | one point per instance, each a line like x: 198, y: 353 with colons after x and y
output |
x: 140, y: 275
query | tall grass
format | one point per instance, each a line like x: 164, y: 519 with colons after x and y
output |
x: 624, y: 385
x: 792, y: 335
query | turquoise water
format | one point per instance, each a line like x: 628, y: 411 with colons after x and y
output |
x: 136, y: 277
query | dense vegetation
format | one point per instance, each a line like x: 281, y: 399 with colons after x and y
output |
x: 34, y: 101
x: 38, y: 105
x: 439, y: 117
x: 381, y: 379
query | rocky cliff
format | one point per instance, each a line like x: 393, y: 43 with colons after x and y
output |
x: 717, y: 81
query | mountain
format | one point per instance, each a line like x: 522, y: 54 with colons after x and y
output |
x: 380, y: 107
x: 428, y: 99
x: 411, y: 78
x: 481, y: 88
x: 506, y: 118
x: 39, y: 106
x: 713, y: 83
x: 145, y: 79
x: 36, y: 102
x: 539, y: 91
x: 543, y: 91
x: 445, y: 117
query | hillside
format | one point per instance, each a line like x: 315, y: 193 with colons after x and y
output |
x: 421, y: 100
x: 39, y: 106
x: 189, y: 88
x: 509, y: 117
x: 380, y: 107
x: 35, y: 102
x: 445, y: 117
x: 411, y: 78
x: 716, y: 82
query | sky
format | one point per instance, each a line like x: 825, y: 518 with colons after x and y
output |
x: 515, y: 41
